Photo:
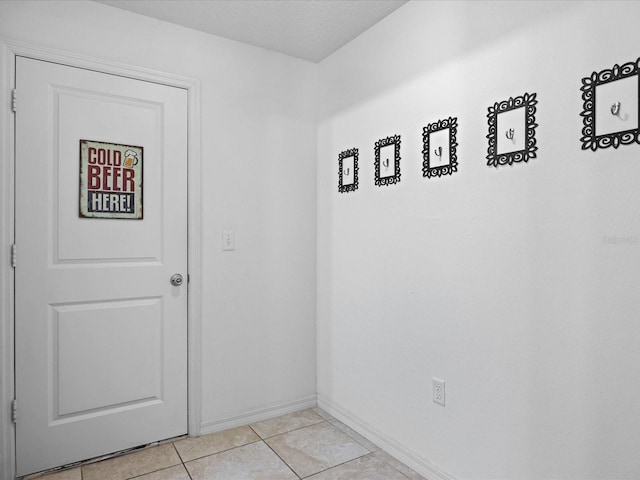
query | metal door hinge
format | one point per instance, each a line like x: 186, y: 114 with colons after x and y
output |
x: 14, y: 255
x: 14, y: 101
x: 14, y: 411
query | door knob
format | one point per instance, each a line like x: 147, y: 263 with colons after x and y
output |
x: 176, y: 280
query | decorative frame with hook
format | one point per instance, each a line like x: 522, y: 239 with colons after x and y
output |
x: 348, y: 181
x: 611, y: 93
x: 384, y: 179
x: 524, y: 131
x: 429, y: 169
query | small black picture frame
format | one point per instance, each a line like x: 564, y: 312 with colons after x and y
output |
x: 387, y: 171
x: 348, y: 174
x: 433, y: 166
x: 607, y: 108
x: 522, y: 133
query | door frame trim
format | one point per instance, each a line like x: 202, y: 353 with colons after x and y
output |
x: 9, y: 50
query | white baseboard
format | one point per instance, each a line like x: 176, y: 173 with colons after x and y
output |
x: 212, y: 425
x: 386, y: 443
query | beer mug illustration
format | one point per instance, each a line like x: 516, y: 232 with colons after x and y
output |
x: 130, y: 158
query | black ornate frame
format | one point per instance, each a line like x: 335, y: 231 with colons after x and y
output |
x: 352, y: 152
x: 589, y: 138
x: 394, y: 140
x: 450, y: 123
x: 529, y: 102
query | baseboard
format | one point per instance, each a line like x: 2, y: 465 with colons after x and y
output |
x: 386, y: 443
x: 213, y: 425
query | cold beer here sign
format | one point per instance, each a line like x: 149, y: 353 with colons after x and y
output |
x: 110, y: 180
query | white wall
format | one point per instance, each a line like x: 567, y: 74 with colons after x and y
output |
x: 505, y: 283
x: 258, y: 179
x: 499, y: 282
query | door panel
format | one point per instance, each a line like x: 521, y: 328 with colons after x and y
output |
x: 101, y: 334
x: 90, y: 371
x: 79, y: 239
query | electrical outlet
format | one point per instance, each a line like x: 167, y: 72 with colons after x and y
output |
x: 438, y: 391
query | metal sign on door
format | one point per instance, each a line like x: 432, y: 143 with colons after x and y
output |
x: 110, y: 180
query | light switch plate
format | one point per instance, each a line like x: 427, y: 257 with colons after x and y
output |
x: 228, y: 240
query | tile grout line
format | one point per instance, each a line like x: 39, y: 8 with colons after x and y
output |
x: 282, y: 460
x: 343, y: 463
x: 289, y: 431
x: 259, y: 440
x: 160, y: 469
x: 275, y: 453
x: 216, y: 453
x: 371, y: 452
x: 327, y: 421
x: 388, y: 464
x: 181, y: 460
x: 394, y: 467
x: 352, y: 437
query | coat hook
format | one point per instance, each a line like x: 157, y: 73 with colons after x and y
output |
x: 509, y: 134
x: 438, y: 152
x: 615, y: 109
x: 386, y: 163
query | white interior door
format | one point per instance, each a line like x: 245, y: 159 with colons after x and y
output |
x: 101, y: 333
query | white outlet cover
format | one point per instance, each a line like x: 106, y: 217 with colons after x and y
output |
x: 438, y: 391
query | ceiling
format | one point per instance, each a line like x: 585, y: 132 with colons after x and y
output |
x: 307, y: 29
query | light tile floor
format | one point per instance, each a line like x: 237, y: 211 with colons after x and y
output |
x: 309, y: 444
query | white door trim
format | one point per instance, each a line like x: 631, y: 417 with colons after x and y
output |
x: 8, y: 51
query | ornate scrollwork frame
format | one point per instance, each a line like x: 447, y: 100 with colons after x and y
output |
x: 450, y: 123
x: 352, y: 152
x: 529, y: 102
x: 589, y: 138
x: 393, y: 140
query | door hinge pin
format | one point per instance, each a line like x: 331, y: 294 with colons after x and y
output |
x: 14, y: 101
x: 14, y: 255
x: 14, y: 411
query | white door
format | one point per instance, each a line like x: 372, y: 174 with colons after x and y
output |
x: 101, y: 332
